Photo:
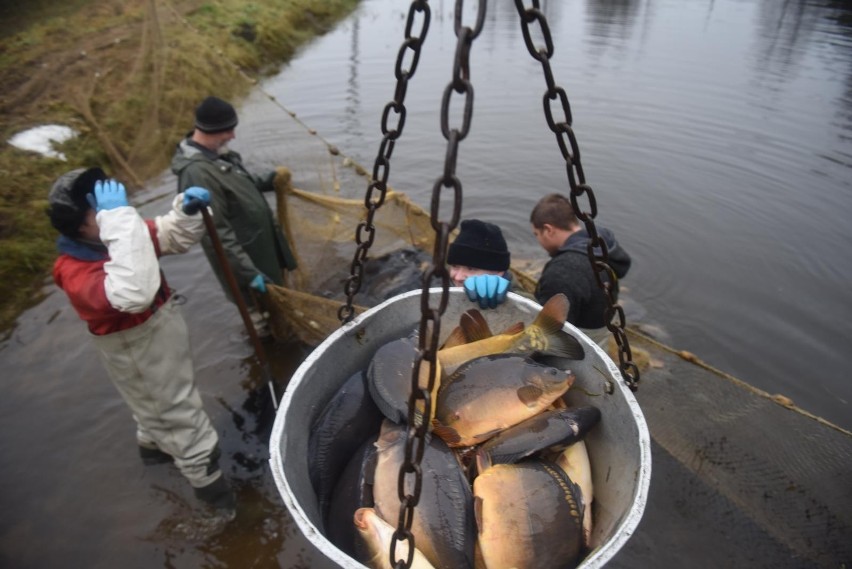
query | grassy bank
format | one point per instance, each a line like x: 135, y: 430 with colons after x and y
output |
x: 126, y: 75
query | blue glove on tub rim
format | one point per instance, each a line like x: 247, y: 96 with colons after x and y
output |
x: 489, y: 290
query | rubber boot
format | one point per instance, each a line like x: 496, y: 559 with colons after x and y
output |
x: 219, y: 496
x: 151, y: 454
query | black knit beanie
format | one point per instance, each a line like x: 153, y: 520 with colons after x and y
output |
x: 67, y: 199
x: 215, y: 115
x: 480, y: 245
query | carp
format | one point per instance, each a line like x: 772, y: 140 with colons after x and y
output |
x: 492, y: 393
x: 376, y: 535
x: 389, y: 378
x: 347, y: 420
x: 545, y: 335
x: 443, y: 526
x: 574, y: 461
x: 553, y: 429
x: 528, y: 516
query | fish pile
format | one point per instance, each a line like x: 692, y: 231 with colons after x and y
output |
x: 506, y: 477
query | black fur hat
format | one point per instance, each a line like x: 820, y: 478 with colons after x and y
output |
x: 67, y: 199
x: 479, y: 245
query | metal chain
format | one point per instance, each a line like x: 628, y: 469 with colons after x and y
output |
x: 365, y: 233
x: 430, y: 322
x: 576, y: 180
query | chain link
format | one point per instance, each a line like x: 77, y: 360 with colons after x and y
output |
x: 597, y: 250
x: 376, y: 193
x: 420, y: 401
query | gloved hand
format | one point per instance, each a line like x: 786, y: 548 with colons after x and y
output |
x: 108, y: 194
x: 194, y: 199
x: 489, y: 290
x: 258, y: 283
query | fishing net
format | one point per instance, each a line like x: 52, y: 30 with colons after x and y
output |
x: 775, y: 478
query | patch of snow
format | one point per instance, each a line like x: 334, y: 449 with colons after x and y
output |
x: 41, y: 138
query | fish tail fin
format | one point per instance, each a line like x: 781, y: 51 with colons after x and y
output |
x: 553, y: 314
x: 564, y: 345
x: 515, y: 328
x: 456, y: 338
x: 550, y: 321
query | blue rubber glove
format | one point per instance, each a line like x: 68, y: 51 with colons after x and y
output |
x: 258, y: 283
x: 194, y: 199
x: 108, y: 194
x: 489, y: 290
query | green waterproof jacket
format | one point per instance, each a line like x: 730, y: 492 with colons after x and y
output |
x: 250, y: 235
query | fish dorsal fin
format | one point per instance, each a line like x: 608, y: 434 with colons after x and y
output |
x: 456, y: 338
x: 515, y: 328
x: 474, y: 326
x: 529, y: 394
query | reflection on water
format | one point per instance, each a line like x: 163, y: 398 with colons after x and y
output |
x: 714, y: 132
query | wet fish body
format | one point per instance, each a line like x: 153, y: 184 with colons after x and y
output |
x: 375, y: 542
x: 389, y: 378
x: 492, y: 393
x: 528, y: 516
x: 349, y: 418
x: 443, y: 524
x: 574, y: 461
x: 552, y: 428
x: 545, y: 335
x: 354, y: 490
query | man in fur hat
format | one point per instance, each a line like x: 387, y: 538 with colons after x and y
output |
x: 108, y: 266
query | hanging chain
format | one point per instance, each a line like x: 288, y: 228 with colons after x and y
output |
x: 365, y: 233
x: 577, y: 182
x: 430, y: 322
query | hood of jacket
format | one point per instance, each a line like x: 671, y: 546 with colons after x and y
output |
x: 578, y: 242
x: 186, y: 153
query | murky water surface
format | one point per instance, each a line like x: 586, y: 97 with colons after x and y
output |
x: 716, y: 136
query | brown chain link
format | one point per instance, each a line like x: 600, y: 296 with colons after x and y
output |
x: 430, y: 322
x: 577, y: 182
x: 381, y: 167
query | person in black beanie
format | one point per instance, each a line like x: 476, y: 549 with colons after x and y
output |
x: 478, y: 260
x: 254, y: 243
x: 559, y: 232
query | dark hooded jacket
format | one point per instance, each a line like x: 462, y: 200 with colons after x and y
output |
x: 570, y: 272
x: 246, y: 226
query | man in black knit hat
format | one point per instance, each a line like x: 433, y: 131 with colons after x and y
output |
x: 254, y: 244
x: 478, y: 260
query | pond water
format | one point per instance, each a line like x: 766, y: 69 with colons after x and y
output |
x: 715, y: 133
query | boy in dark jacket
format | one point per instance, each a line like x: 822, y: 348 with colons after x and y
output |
x: 561, y: 234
